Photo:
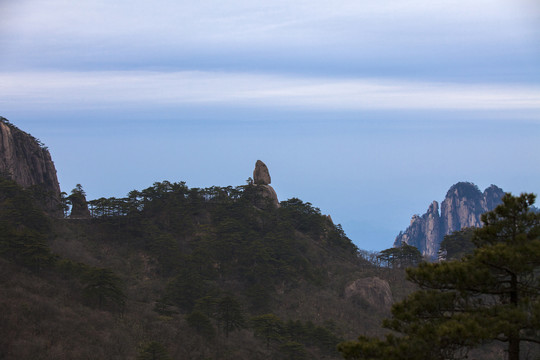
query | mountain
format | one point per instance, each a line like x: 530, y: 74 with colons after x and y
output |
x: 462, y: 207
x: 188, y: 273
x: 25, y: 160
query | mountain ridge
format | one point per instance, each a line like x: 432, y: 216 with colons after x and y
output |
x: 169, y: 262
x: 462, y: 207
x: 229, y: 271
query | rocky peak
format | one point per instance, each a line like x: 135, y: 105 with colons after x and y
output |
x: 261, y: 179
x: 433, y: 208
x: 462, y: 207
x: 261, y: 175
x: 423, y: 231
x: 79, y: 205
x: 492, y: 197
x: 25, y: 160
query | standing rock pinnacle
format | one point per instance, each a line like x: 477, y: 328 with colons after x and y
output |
x: 261, y: 176
x: 261, y: 180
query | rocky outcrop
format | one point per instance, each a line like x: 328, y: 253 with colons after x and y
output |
x: 261, y: 176
x: 268, y: 192
x: 492, y: 197
x: 462, y: 207
x: 372, y: 290
x: 25, y: 160
x: 262, y: 180
x: 79, y: 205
x: 424, y: 231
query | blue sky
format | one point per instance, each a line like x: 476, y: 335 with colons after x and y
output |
x: 367, y: 109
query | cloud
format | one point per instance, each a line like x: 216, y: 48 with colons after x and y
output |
x: 116, y: 89
x: 65, y: 34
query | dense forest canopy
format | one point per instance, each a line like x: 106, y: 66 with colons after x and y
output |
x: 225, y: 265
x: 221, y: 262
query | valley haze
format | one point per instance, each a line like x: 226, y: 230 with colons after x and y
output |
x: 368, y: 110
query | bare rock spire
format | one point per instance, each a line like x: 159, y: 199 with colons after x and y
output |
x: 261, y: 176
x: 261, y: 179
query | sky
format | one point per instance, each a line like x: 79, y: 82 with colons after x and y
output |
x: 368, y: 109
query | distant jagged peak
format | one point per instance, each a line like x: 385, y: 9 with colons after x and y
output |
x: 433, y: 208
x: 464, y: 189
x: 493, y: 196
x: 462, y: 207
x: 470, y: 190
x: 493, y: 188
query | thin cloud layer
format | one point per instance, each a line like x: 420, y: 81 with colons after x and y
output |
x: 76, y: 90
x: 277, y: 36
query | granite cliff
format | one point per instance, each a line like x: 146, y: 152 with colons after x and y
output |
x: 25, y: 160
x: 462, y: 207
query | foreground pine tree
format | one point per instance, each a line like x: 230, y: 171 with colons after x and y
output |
x: 490, y: 295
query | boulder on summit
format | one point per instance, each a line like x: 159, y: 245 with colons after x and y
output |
x: 261, y: 176
x: 261, y: 179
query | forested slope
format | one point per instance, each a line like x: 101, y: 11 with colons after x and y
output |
x: 181, y: 272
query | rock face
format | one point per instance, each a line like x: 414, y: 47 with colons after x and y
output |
x: 261, y: 176
x: 79, y: 205
x: 80, y: 211
x: 373, y: 291
x: 261, y: 179
x: 26, y: 161
x: 424, y: 231
x: 462, y: 207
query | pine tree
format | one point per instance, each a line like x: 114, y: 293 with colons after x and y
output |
x: 267, y: 326
x: 490, y: 295
x: 103, y: 285
x: 202, y: 324
x: 153, y: 351
x: 229, y: 314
